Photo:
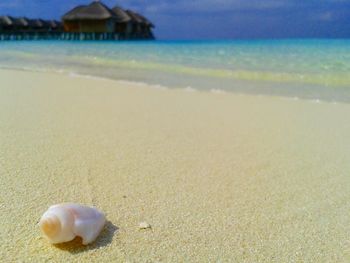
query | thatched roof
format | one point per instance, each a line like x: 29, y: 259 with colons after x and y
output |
x: 98, y: 11
x: 36, y: 23
x: 5, y: 21
x: 39, y: 23
x: 10, y: 21
x: 134, y: 18
x: 139, y: 19
x: 145, y: 20
x: 94, y: 11
x: 71, y: 15
x: 54, y: 24
x: 23, y: 21
x: 121, y: 15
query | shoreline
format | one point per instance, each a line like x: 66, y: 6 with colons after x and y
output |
x: 316, y: 69
x: 163, y: 87
x: 218, y: 177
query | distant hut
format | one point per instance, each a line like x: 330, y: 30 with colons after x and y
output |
x: 23, y: 24
x: 90, y: 22
x: 54, y: 26
x: 141, y: 26
x: 23, y: 28
x: 93, y: 18
x: 5, y: 23
x: 123, y: 22
x: 12, y: 28
x: 38, y: 25
x: 70, y: 20
x: 2, y: 24
x: 9, y: 24
x: 136, y: 23
x: 146, y: 27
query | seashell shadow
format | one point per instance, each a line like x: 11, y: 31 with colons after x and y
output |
x: 104, y: 239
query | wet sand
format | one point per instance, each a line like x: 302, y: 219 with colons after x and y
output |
x: 219, y: 177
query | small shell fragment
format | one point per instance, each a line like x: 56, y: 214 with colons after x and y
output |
x: 144, y: 225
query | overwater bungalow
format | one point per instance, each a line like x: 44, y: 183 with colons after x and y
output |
x: 9, y: 24
x: 94, y: 21
x: 12, y: 25
x: 123, y: 22
x: 23, y: 24
x: 135, y: 24
x: 141, y: 26
x: 3, y: 23
x: 28, y: 29
x: 55, y: 26
x: 99, y: 19
x: 93, y: 18
x: 146, y: 26
x: 38, y: 25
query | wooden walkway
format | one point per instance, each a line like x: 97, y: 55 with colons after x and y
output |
x: 63, y: 36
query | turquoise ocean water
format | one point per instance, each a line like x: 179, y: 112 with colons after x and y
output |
x: 311, y: 69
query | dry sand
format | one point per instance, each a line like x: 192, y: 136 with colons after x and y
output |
x: 219, y: 177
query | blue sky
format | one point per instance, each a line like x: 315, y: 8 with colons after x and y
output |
x: 217, y: 19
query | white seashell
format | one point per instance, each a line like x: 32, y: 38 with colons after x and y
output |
x: 144, y: 225
x: 63, y: 222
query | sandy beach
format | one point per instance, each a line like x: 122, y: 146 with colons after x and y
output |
x: 220, y: 177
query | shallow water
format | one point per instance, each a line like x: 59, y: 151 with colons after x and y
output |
x: 313, y: 69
